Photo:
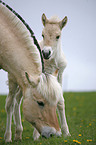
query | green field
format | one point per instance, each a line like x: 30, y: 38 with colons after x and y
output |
x: 81, y: 117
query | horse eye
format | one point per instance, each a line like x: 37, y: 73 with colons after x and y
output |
x: 42, y: 35
x: 40, y: 103
x: 57, y: 37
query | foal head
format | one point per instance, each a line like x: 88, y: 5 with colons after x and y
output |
x: 51, y: 34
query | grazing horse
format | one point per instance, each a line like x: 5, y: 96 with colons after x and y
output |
x: 54, y: 58
x: 41, y: 91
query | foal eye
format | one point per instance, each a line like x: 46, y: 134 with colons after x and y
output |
x: 42, y: 35
x: 40, y: 103
x: 57, y: 37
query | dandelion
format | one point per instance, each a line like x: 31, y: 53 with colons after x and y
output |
x: 22, y: 120
x: 0, y: 137
x: 65, y: 140
x: 89, y: 140
x: 79, y: 135
x: 79, y: 142
x: 90, y: 124
x: 27, y: 137
x: 3, y: 111
x: 76, y: 141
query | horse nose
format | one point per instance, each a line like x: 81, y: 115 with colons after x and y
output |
x: 51, y: 134
x: 46, y: 54
x: 47, y: 135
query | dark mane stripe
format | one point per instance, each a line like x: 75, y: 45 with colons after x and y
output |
x: 30, y: 30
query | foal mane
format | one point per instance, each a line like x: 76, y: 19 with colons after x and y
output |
x: 54, y: 19
x: 19, y: 23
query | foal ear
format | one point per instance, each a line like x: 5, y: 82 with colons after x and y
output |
x: 44, y: 19
x: 32, y: 81
x: 63, y: 22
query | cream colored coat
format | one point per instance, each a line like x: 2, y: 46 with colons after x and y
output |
x: 21, y: 59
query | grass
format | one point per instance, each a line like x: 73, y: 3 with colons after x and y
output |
x: 81, y: 117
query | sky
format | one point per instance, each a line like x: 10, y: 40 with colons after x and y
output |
x: 78, y: 38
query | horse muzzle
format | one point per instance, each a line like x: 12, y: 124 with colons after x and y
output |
x: 47, y: 52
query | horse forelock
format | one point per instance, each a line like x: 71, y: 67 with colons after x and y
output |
x: 49, y: 88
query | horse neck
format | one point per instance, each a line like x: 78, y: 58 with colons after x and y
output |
x: 18, y: 63
x: 17, y: 51
x: 16, y: 59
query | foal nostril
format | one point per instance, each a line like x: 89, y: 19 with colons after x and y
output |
x: 49, y: 52
x: 46, y: 54
x: 43, y: 51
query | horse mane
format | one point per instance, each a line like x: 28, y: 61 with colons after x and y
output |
x: 24, y: 31
x: 50, y: 88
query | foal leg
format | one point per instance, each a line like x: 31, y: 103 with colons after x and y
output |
x: 9, y: 109
x: 36, y: 134
x: 17, y: 116
x: 61, y: 111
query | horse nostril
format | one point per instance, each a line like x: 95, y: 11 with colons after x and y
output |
x: 43, y: 136
x: 51, y: 134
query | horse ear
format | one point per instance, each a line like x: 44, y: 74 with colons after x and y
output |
x: 44, y: 19
x: 63, y: 22
x: 32, y: 81
x: 55, y: 73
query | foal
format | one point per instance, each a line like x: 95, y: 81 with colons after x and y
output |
x: 51, y: 45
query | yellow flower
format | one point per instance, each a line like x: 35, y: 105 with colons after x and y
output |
x: 88, y: 140
x: 0, y: 137
x: 65, y: 140
x: 79, y: 135
x: 90, y: 124
x: 2, y: 110
x: 74, y: 140
x: 77, y: 141
x: 27, y: 137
